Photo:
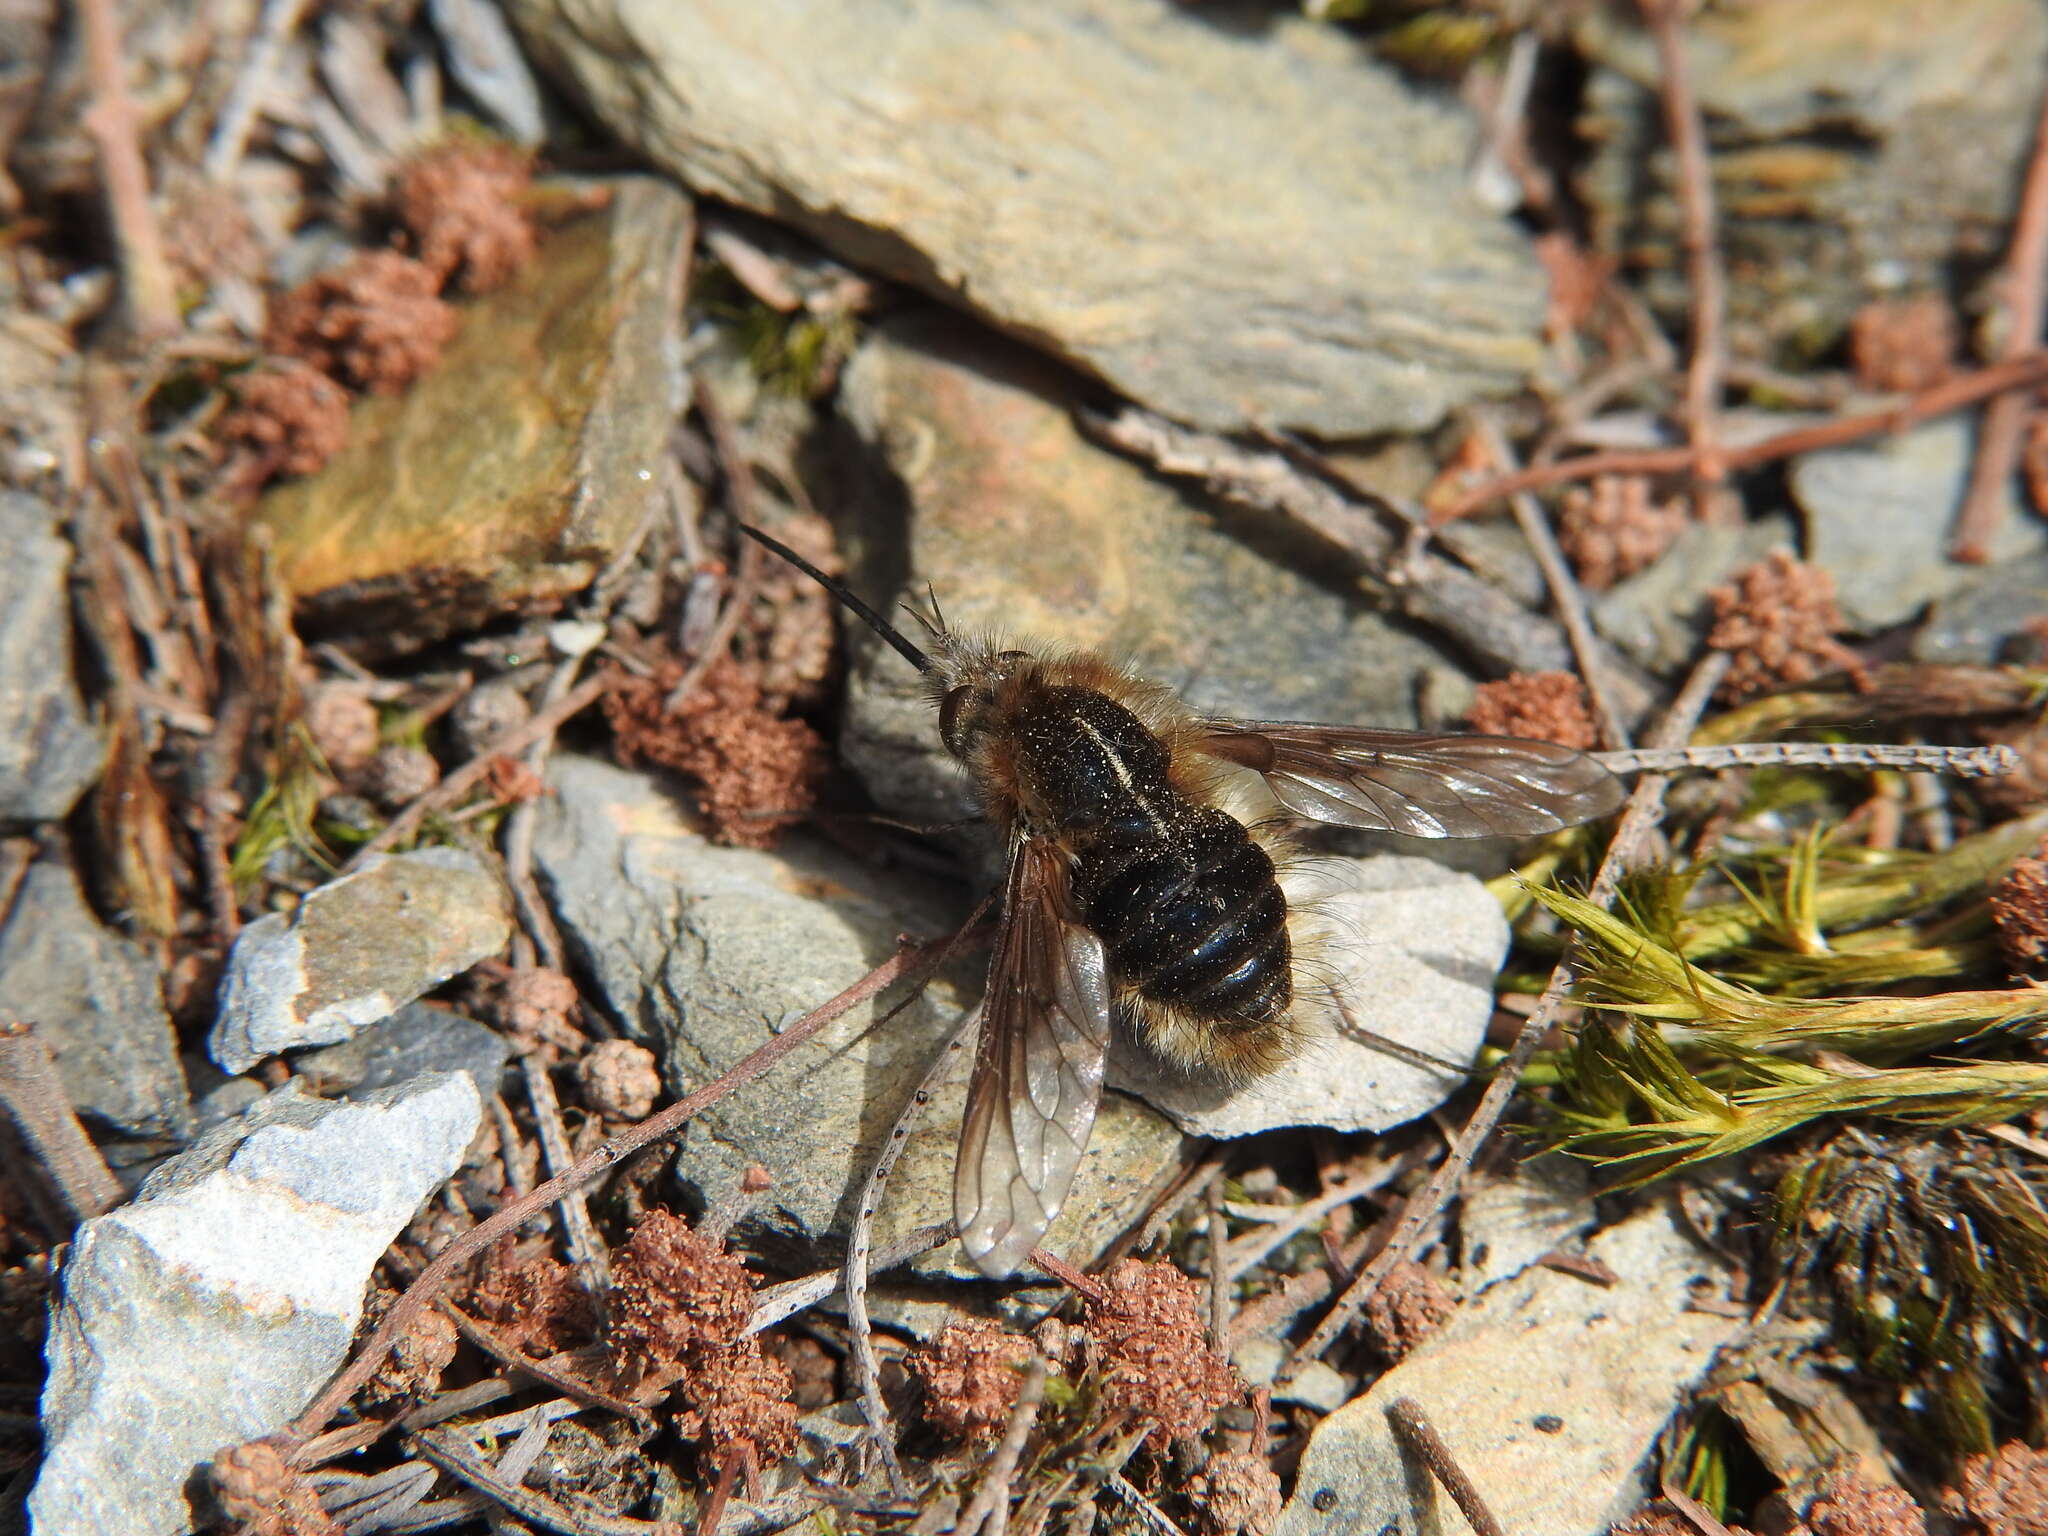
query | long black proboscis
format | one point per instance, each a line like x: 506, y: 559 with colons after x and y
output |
x: 874, y: 620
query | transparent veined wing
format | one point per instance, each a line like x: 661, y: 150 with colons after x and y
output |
x: 1037, y: 1068
x: 1418, y: 783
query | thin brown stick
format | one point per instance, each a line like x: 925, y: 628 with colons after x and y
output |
x: 516, y: 839
x: 34, y: 1096
x: 1188, y: 1187
x: 274, y: 28
x: 544, y: 722
x: 1413, y: 1429
x: 150, y: 293
x: 1219, y: 1273
x: 990, y: 1511
x: 739, y: 487
x: 586, y: 1250
x: 721, y: 1495
x: 1134, y: 1500
x: 547, y: 1372
x: 1251, y: 1249
x: 774, y: 1303
x: 2025, y: 292
x: 860, y: 1331
x: 1938, y: 400
x: 1693, y: 1510
x: 1070, y: 1277
x: 1638, y: 821
x: 608, y: 1155
x: 1565, y: 595
x: 214, y: 771
x: 1683, y: 126
x: 466, y: 1465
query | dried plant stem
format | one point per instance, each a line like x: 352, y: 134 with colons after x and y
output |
x: 2005, y: 419
x: 1251, y: 1249
x: 461, y: 1461
x: 1953, y: 394
x: 1067, y: 1275
x: 1183, y: 1191
x: 1693, y: 1510
x: 116, y: 127
x: 1900, y: 691
x: 517, y: 836
x: 586, y: 1249
x: 509, y: 1355
x: 274, y: 28
x: 739, y: 484
x: 1967, y: 762
x: 608, y: 1155
x: 1564, y: 591
x: 1683, y: 126
x: 1134, y: 1499
x: 1219, y: 1275
x: 459, y: 783
x: 1645, y: 808
x: 989, y: 1514
x: 34, y: 1096
x: 774, y: 1303
x: 1415, y: 1431
x: 867, y: 1374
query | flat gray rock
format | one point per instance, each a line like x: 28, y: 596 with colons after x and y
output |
x: 419, y: 1038
x: 1508, y: 1222
x: 50, y: 750
x: 1413, y: 948
x: 97, y: 1002
x: 1550, y: 1390
x: 1976, y: 625
x: 704, y: 952
x: 355, y: 951
x: 1878, y: 520
x: 1236, y: 228
x: 974, y: 480
x: 212, y: 1307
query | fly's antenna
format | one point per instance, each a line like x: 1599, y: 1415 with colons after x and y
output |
x: 872, y: 619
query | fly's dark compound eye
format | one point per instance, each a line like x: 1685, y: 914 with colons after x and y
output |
x: 949, y: 717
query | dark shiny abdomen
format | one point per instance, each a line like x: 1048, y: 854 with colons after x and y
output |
x: 1184, y: 901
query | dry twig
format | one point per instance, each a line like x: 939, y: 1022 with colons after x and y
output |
x: 1564, y: 591
x: 989, y: 1514
x: 1682, y: 124
x: 34, y: 1096
x: 867, y: 1375
x: 1414, y: 1431
x: 2005, y: 419
x: 460, y: 1460
x: 586, y: 1248
x: 1966, y: 389
x: 739, y: 485
x: 257, y: 76
x: 115, y: 125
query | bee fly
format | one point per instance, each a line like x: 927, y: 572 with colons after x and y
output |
x: 1136, y: 887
